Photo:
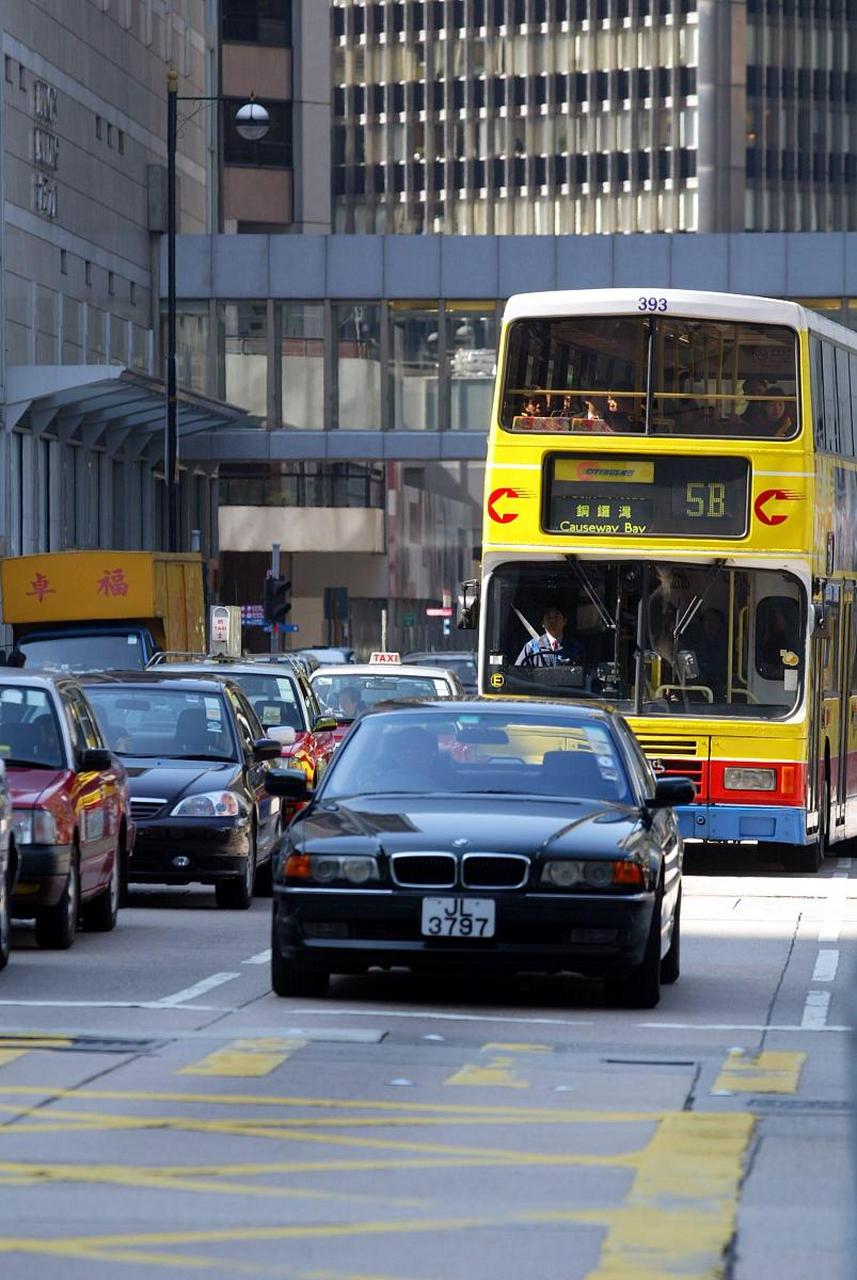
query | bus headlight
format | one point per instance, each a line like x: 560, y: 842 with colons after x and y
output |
x: 736, y: 778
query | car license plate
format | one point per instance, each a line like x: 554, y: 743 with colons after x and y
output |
x: 458, y: 917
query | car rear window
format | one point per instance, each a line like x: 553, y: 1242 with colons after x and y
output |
x: 29, y: 732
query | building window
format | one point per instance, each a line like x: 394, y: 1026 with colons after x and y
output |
x: 192, y: 335
x: 99, y: 127
x: 245, y: 339
x: 87, y: 272
x: 273, y: 151
x: 111, y: 283
x: 22, y: 78
x: 302, y: 364
x: 120, y: 141
x: 110, y: 132
x: 10, y: 70
x: 414, y: 367
x: 63, y: 262
x: 357, y: 330
x: 132, y: 293
x: 471, y: 349
x: 266, y: 22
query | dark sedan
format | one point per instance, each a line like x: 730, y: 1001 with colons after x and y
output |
x: 195, y: 755
x: 491, y: 835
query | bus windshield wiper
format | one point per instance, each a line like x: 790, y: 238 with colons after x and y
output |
x: 585, y: 582
x: 696, y: 602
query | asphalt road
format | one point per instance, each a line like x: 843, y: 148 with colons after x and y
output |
x: 162, y: 1113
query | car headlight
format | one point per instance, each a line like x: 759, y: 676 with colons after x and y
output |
x: 570, y: 873
x: 325, y: 868
x: 209, y: 804
x: 740, y: 779
x: 34, y: 826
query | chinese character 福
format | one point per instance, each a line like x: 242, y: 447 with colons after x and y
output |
x: 113, y: 583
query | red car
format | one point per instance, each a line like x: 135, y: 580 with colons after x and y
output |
x: 70, y: 808
x: 284, y: 701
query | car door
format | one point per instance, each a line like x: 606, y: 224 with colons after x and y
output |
x: 92, y: 796
x: 266, y: 806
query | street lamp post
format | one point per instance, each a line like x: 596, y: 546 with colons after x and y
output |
x: 251, y: 122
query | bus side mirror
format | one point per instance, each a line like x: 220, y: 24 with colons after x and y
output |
x: 468, y: 606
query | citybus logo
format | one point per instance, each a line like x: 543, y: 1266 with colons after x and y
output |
x: 626, y: 472
x: 767, y: 506
x: 497, y: 504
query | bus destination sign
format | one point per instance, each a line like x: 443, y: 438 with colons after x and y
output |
x: 618, y: 496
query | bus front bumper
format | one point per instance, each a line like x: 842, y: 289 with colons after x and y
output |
x: 776, y: 824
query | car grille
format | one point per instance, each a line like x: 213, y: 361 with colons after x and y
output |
x: 147, y: 806
x: 424, y: 870
x: 494, y: 871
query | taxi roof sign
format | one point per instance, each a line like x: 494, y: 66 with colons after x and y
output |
x: 380, y: 657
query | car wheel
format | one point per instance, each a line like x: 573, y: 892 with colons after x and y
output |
x: 671, y: 963
x: 236, y: 893
x: 100, y: 915
x: 641, y: 989
x: 5, y: 922
x: 290, y: 979
x: 56, y: 926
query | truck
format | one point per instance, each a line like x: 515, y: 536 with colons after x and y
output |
x: 102, y: 610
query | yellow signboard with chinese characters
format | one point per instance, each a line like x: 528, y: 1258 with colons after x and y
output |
x: 79, y: 586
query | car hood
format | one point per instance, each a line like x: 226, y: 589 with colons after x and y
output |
x: 28, y: 786
x: 171, y: 779
x: 497, y: 824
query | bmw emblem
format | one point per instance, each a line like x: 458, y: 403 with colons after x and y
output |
x: 461, y: 843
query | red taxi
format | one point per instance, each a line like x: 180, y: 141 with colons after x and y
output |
x: 70, y: 808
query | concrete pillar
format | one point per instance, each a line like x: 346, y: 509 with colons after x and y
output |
x: 722, y: 90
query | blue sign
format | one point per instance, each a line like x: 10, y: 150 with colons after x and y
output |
x: 289, y: 626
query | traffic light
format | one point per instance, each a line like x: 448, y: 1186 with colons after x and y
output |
x: 278, y: 606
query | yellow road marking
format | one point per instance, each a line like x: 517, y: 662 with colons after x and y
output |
x: 497, y: 1070
x: 680, y: 1213
x: 554, y: 1114
x: 10, y: 1055
x: 767, y: 1072
x: 26, y: 1040
x: 246, y: 1058
x: 79, y: 1246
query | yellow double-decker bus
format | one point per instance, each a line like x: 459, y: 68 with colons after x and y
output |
x: 669, y: 525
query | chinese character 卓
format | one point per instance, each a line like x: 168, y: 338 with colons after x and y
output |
x: 41, y: 588
x: 113, y: 583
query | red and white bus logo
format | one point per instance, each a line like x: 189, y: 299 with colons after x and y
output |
x: 768, y: 505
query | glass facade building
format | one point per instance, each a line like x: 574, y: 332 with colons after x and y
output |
x: 593, y: 116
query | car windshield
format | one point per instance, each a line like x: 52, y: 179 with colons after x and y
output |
x: 653, y: 375
x: 461, y: 665
x: 274, y: 699
x: 519, y: 753
x: 345, y: 696
x: 29, y: 732
x: 85, y: 653
x: 655, y: 638
x: 163, y: 723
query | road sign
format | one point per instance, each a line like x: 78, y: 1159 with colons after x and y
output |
x: 408, y: 620
x: 439, y: 612
x: 290, y: 626
x: 253, y: 615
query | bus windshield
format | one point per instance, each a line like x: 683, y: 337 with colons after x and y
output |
x: 651, y: 375
x: 652, y: 637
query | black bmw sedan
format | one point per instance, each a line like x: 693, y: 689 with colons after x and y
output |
x: 495, y: 835
x: 195, y: 755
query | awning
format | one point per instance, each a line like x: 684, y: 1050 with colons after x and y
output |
x: 109, y: 406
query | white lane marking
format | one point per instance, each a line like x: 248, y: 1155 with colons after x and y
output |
x: 829, y: 929
x: 198, y: 989
x: 815, y: 1010
x: 831, y: 922
x: 743, y: 1026
x: 826, y: 964
x: 113, y: 1004
x: 262, y: 958
x: 442, y: 1017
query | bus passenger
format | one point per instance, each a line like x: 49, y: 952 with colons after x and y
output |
x: 754, y: 416
x: 618, y: 417
x: 779, y: 415
x: 551, y: 648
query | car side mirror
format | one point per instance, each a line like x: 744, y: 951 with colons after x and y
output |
x: 266, y: 749
x: 325, y: 724
x: 94, y: 760
x: 290, y: 784
x: 670, y: 792
x: 284, y: 734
